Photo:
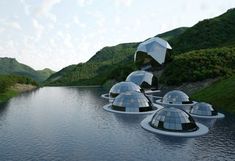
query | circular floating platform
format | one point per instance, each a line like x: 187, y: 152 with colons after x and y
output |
x: 108, y: 108
x: 202, y: 129
x: 218, y: 116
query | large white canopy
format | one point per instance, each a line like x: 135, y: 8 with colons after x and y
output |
x: 155, y: 47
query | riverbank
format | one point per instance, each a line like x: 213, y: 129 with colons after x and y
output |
x: 15, y: 90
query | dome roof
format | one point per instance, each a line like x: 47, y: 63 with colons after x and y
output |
x: 132, y: 101
x: 123, y: 87
x: 176, y: 97
x: 145, y: 80
x: 173, y: 119
x: 203, y: 109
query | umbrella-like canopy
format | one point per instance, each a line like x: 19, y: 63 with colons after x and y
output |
x: 154, y: 47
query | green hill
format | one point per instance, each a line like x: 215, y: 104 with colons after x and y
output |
x: 57, y: 75
x: 199, y: 65
x: 172, y: 34
x: 114, y: 62
x: 209, y: 33
x: 220, y: 94
x: 45, y: 73
x: 10, y: 66
x: 7, y: 85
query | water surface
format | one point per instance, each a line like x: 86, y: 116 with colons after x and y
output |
x: 68, y: 123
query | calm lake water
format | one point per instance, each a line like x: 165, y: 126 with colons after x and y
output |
x: 68, y: 123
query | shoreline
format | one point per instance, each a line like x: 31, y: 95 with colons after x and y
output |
x: 16, y: 90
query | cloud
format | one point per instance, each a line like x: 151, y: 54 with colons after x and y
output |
x: 125, y: 3
x: 11, y: 24
x: 26, y: 7
x: 39, y: 28
x: 78, y: 22
x: 83, y: 3
x: 45, y: 7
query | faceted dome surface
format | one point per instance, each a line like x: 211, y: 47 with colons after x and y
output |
x: 176, y: 97
x: 203, y: 109
x: 123, y: 87
x: 132, y: 101
x: 173, y: 119
x: 144, y: 79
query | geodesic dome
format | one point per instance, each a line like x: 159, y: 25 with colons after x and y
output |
x: 176, y: 97
x: 203, y: 109
x: 132, y: 101
x: 145, y: 80
x: 123, y: 87
x: 173, y: 119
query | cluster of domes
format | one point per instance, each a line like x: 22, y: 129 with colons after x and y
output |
x: 129, y: 97
x: 171, y: 115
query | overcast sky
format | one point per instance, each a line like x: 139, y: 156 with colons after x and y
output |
x: 57, y: 33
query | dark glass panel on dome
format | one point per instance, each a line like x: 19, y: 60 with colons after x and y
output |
x: 173, y: 119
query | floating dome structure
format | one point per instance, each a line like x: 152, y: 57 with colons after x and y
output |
x: 176, y: 98
x: 123, y: 87
x: 145, y: 80
x: 173, y: 122
x: 132, y: 102
x: 204, y: 110
x: 120, y: 88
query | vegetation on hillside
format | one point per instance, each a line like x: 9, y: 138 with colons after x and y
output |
x: 220, y: 94
x: 172, y: 34
x: 8, y: 81
x: 199, y: 65
x: 114, y: 62
x: 45, y: 73
x: 209, y: 33
x: 10, y: 66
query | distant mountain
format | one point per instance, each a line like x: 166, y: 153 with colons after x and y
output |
x: 113, y: 62
x: 10, y: 66
x: 56, y: 76
x: 45, y: 73
x: 209, y: 33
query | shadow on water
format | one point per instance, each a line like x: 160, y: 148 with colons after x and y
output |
x: 128, y: 118
x: 3, y: 111
x: 28, y: 93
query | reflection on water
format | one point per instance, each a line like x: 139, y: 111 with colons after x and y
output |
x: 68, y: 123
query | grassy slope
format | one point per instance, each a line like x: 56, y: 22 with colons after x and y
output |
x: 7, y: 83
x: 221, y: 94
x: 7, y: 95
